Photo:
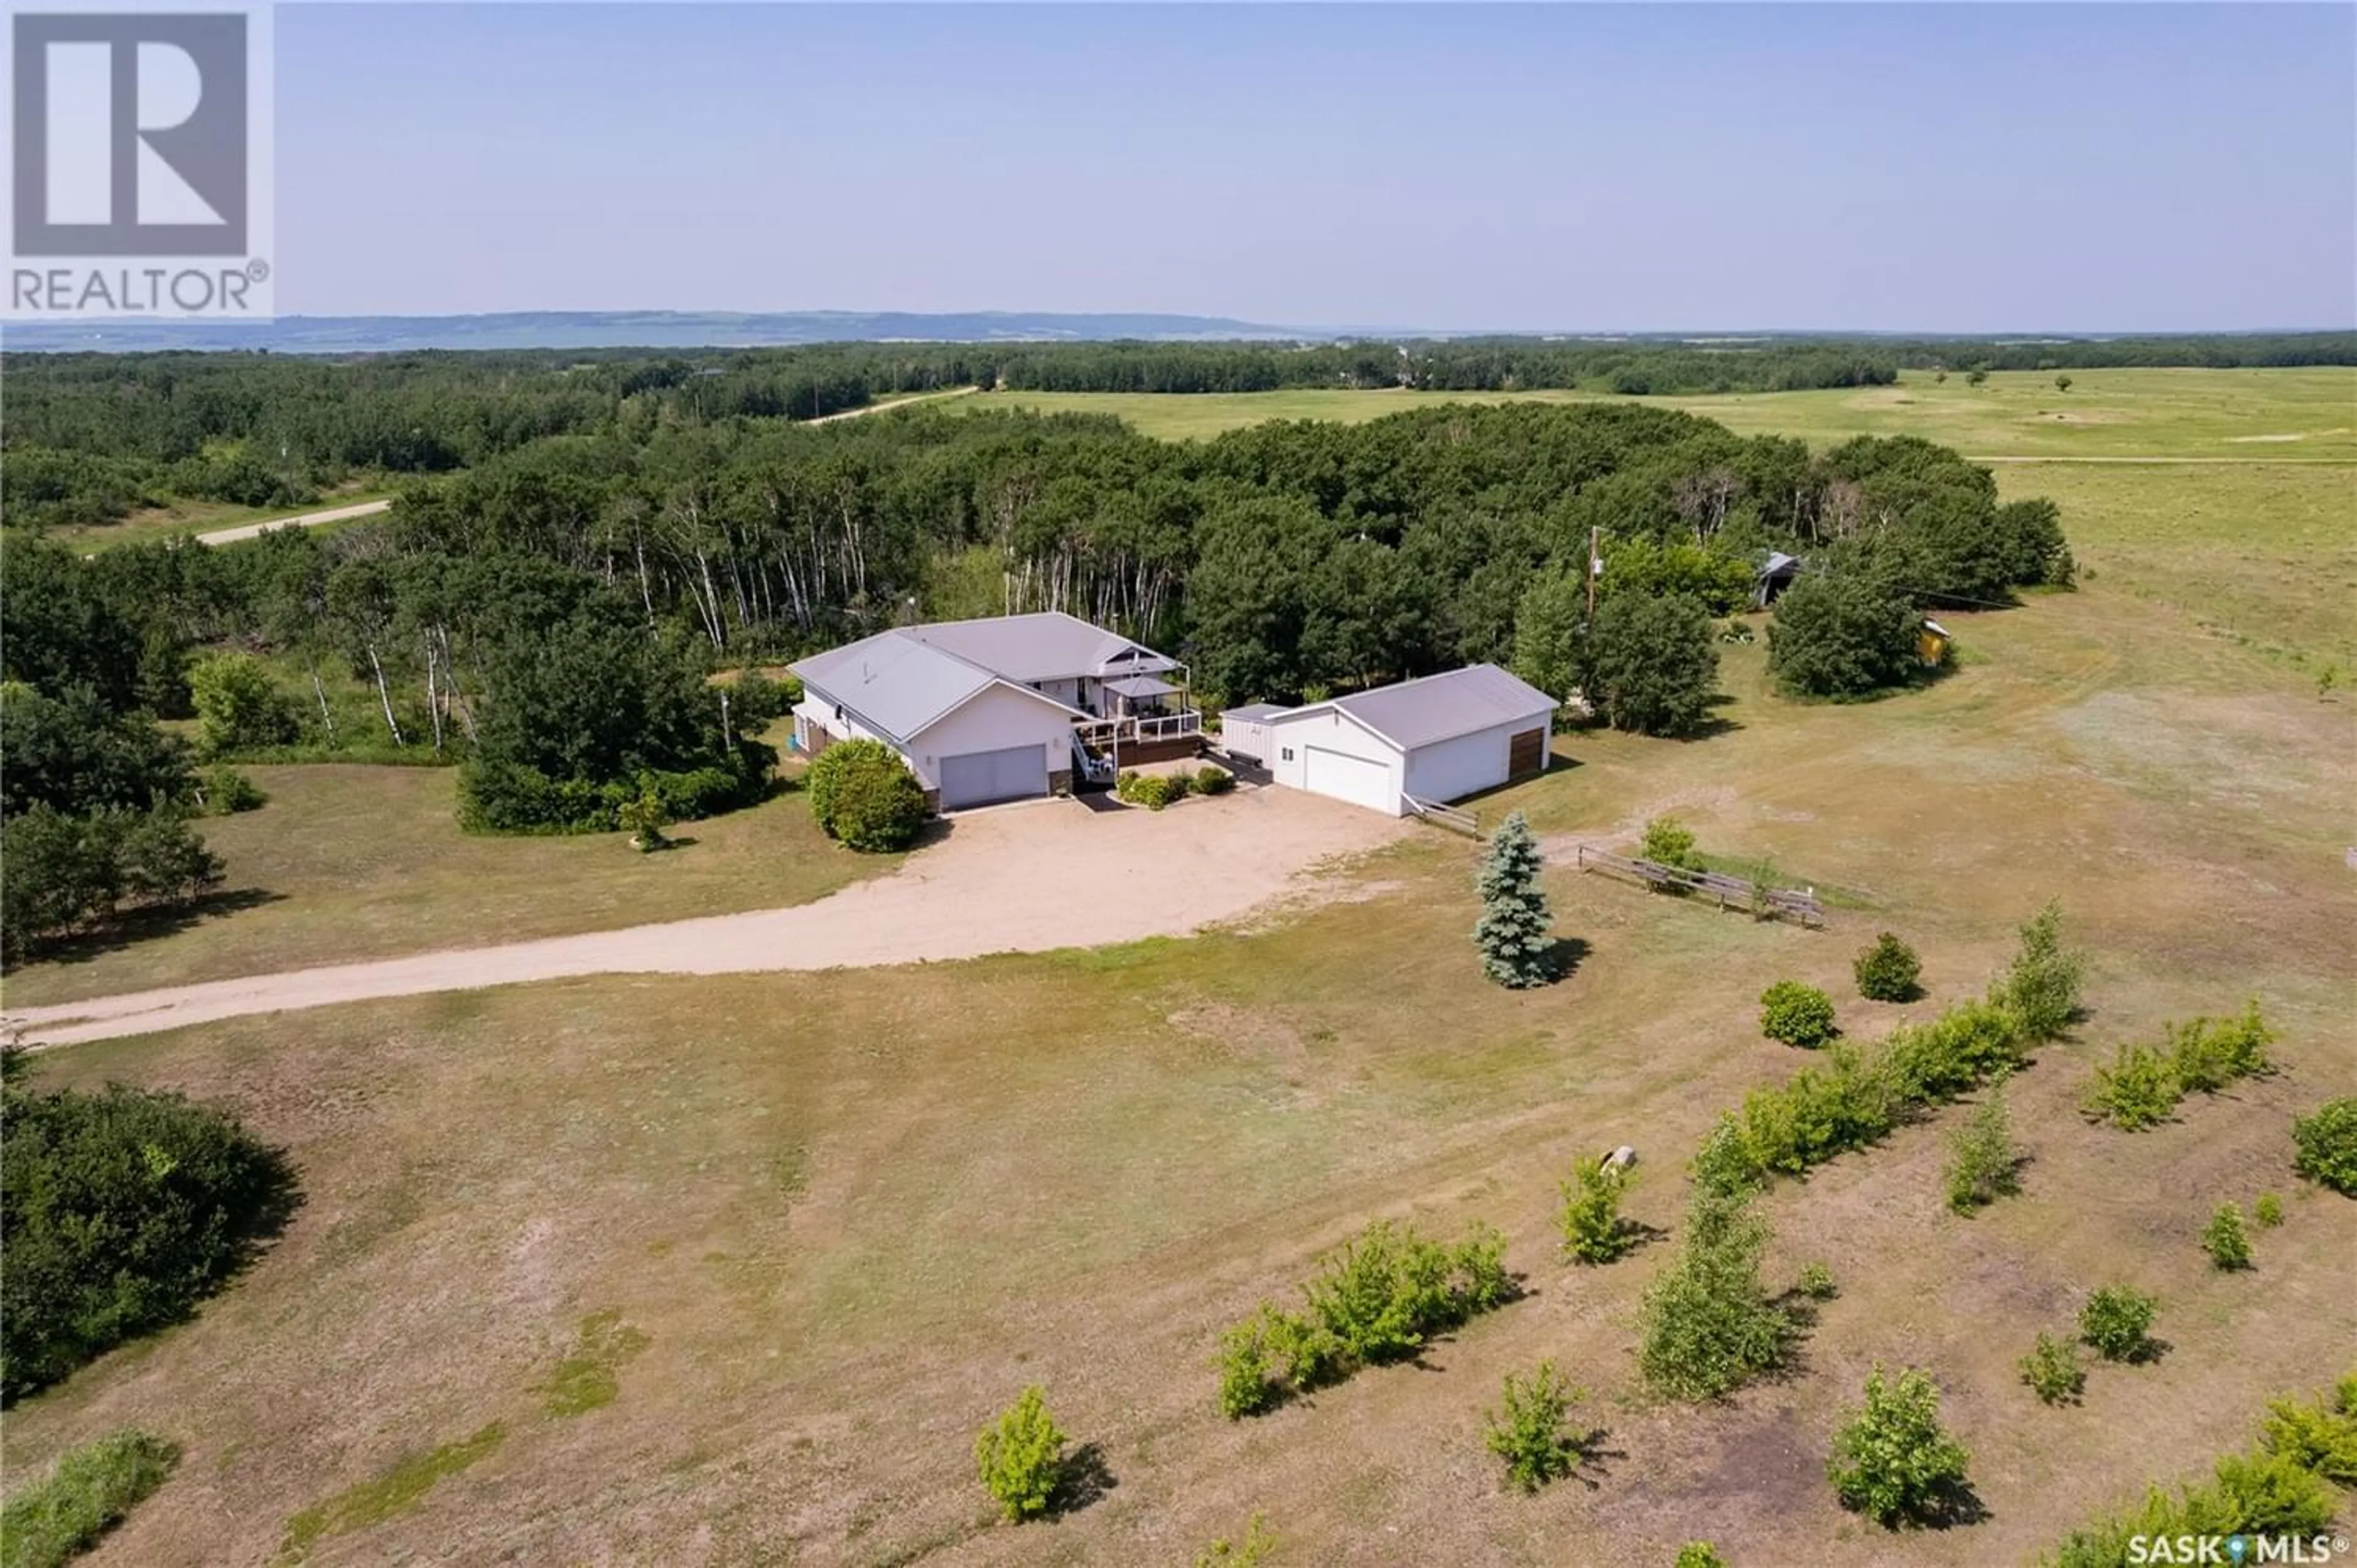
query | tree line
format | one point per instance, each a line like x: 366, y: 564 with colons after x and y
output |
x: 92, y: 437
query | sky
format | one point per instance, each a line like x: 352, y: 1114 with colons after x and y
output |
x: 1970, y: 168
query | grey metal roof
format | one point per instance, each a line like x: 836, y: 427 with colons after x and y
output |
x: 1140, y: 686
x: 1046, y: 646
x: 1253, y: 712
x: 1434, y: 708
x: 902, y: 680
x: 896, y: 684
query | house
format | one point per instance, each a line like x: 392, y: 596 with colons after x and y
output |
x: 1001, y: 708
x: 1436, y: 738
x: 1775, y: 574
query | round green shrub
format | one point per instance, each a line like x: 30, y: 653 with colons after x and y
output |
x: 1841, y: 634
x: 1669, y: 842
x: 1796, y: 1015
x: 225, y: 792
x: 1888, y: 971
x: 124, y: 1208
x: 1893, y: 1460
x: 2326, y: 1146
x: 864, y: 796
x: 2117, y: 1321
x: 2226, y: 1240
x: 2053, y: 1371
x: 1021, y: 1456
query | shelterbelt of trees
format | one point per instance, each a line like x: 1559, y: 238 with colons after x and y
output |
x: 90, y: 438
x: 549, y: 616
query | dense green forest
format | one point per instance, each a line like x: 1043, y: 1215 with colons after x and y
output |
x: 90, y: 438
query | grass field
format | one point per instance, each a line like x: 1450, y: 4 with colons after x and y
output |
x: 2176, y: 415
x: 2228, y: 495
x: 816, y: 1228
x: 352, y: 862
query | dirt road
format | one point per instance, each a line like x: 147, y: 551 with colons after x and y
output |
x: 866, y: 408
x: 305, y: 520
x: 1020, y: 878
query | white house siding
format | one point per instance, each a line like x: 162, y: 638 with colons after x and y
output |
x: 1451, y: 769
x: 1291, y: 740
x: 816, y: 711
x: 994, y: 720
x: 1245, y: 738
x: 1067, y: 691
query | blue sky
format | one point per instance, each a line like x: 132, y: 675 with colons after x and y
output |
x: 1888, y: 167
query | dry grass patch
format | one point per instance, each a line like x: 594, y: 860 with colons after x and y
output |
x: 350, y: 862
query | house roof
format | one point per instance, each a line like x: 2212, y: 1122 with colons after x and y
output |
x: 1045, y: 646
x: 1254, y: 713
x: 899, y: 684
x: 1434, y: 708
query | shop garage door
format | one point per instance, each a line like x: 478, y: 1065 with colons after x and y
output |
x: 979, y: 778
x: 1351, y: 778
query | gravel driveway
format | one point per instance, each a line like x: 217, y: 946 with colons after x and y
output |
x: 1018, y: 878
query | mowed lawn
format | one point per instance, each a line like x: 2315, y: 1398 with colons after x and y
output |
x: 350, y: 861
x: 852, y: 1214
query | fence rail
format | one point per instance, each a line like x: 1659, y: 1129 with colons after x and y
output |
x: 1454, y: 818
x: 1154, y: 726
x: 1798, y: 904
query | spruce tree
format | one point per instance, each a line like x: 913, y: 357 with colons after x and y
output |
x: 1513, y: 933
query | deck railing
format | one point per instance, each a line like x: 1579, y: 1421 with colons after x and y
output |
x: 1133, y: 729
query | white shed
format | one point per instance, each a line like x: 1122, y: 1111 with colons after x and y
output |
x: 1437, y: 738
x: 1245, y: 731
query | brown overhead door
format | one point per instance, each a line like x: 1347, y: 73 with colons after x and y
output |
x: 1525, y: 752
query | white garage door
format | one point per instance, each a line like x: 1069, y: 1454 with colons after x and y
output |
x: 1351, y: 778
x: 980, y: 777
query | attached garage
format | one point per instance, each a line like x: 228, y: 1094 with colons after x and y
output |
x: 1361, y: 780
x: 980, y: 778
x: 1436, y: 739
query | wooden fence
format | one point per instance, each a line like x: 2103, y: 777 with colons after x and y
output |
x: 1729, y: 892
x: 1454, y: 818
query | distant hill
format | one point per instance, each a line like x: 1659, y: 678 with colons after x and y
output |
x: 633, y: 329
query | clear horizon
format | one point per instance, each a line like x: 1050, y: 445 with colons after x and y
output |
x: 1926, y: 170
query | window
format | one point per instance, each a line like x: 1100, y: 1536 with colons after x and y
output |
x: 1288, y: 754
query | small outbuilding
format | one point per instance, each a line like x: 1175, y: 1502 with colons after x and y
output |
x: 1434, y: 739
x: 1243, y: 732
x: 1775, y: 574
